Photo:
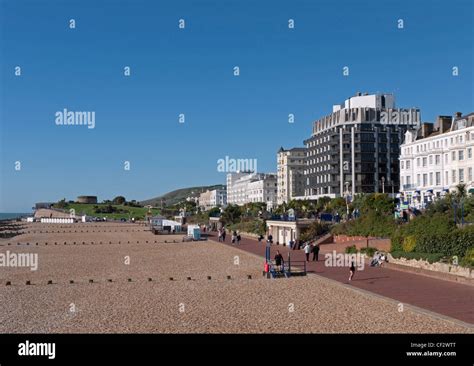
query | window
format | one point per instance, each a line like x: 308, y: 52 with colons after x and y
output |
x: 431, y: 179
x: 418, y: 162
x: 446, y: 158
x: 418, y: 180
x: 438, y: 178
x: 431, y: 159
x: 408, y: 164
x: 425, y: 180
x: 408, y: 180
x: 446, y: 177
x: 461, y: 175
x: 469, y: 174
x: 461, y: 155
x: 453, y: 176
x: 469, y: 153
x: 402, y: 164
x: 437, y: 159
x: 424, y: 161
x: 453, y: 156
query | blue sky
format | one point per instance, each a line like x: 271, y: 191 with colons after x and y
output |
x: 190, y: 71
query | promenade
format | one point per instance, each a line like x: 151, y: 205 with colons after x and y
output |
x: 440, y: 296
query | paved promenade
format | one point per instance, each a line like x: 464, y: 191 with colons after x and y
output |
x: 440, y: 296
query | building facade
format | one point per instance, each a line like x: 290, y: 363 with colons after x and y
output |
x: 291, y: 165
x: 356, y: 148
x: 213, y: 198
x: 244, y: 188
x: 87, y: 199
x: 437, y: 158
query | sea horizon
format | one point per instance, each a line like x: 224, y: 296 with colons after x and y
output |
x: 13, y: 215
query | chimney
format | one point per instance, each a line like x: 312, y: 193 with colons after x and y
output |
x: 458, y: 115
x: 426, y: 129
x: 443, y: 123
x: 358, y: 94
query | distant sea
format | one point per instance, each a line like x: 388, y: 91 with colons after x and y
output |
x: 13, y: 215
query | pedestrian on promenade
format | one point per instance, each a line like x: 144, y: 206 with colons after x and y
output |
x: 260, y: 238
x: 238, y: 238
x: 219, y: 233
x: 352, y: 271
x: 291, y: 244
x: 223, y: 234
x: 307, y: 251
x: 270, y: 238
x: 278, y: 260
x: 234, y: 237
x: 300, y: 244
x: 316, y: 252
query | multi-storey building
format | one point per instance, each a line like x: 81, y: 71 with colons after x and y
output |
x: 291, y: 166
x: 243, y: 188
x: 436, y: 158
x: 213, y: 198
x: 355, y: 149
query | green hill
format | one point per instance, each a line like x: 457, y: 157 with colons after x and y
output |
x: 178, y: 195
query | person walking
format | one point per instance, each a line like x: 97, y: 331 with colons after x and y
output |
x: 238, y: 238
x: 316, y: 252
x: 307, y: 251
x: 234, y: 237
x: 270, y: 238
x: 223, y: 234
x: 278, y: 260
x: 219, y: 233
x: 352, y: 270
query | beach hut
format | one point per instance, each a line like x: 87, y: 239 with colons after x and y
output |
x: 194, y: 231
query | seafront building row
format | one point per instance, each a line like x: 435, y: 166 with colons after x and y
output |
x: 365, y: 145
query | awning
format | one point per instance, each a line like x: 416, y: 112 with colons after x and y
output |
x: 471, y: 191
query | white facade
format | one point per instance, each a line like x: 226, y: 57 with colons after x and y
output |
x: 437, y: 163
x: 214, y: 198
x: 243, y: 188
x: 291, y: 165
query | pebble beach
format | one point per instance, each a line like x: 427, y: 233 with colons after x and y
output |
x: 120, y: 278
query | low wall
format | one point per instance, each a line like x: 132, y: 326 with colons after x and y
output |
x: 362, y: 242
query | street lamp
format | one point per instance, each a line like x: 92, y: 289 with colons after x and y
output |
x: 347, y: 199
x: 383, y: 184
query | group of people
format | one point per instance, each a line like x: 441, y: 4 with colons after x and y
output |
x: 378, y: 259
x: 235, y: 238
x: 311, y: 248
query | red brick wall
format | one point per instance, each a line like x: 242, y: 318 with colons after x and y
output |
x: 361, y: 242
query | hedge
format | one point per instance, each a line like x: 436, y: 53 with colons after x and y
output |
x: 456, y: 242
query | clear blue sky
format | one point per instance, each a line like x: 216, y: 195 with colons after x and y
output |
x: 191, y: 71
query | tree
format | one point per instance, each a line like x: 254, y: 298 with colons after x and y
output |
x: 231, y: 214
x: 214, y: 212
x: 61, y: 203
x: 461, y: 191
x: 119, y: 200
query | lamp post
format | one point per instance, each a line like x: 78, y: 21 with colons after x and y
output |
x: 347, y: 199
x: 383, y: 184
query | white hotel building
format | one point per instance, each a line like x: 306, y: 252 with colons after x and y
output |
x: 214, y: 198
x: 436, y: 159
x: 248, y: 187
